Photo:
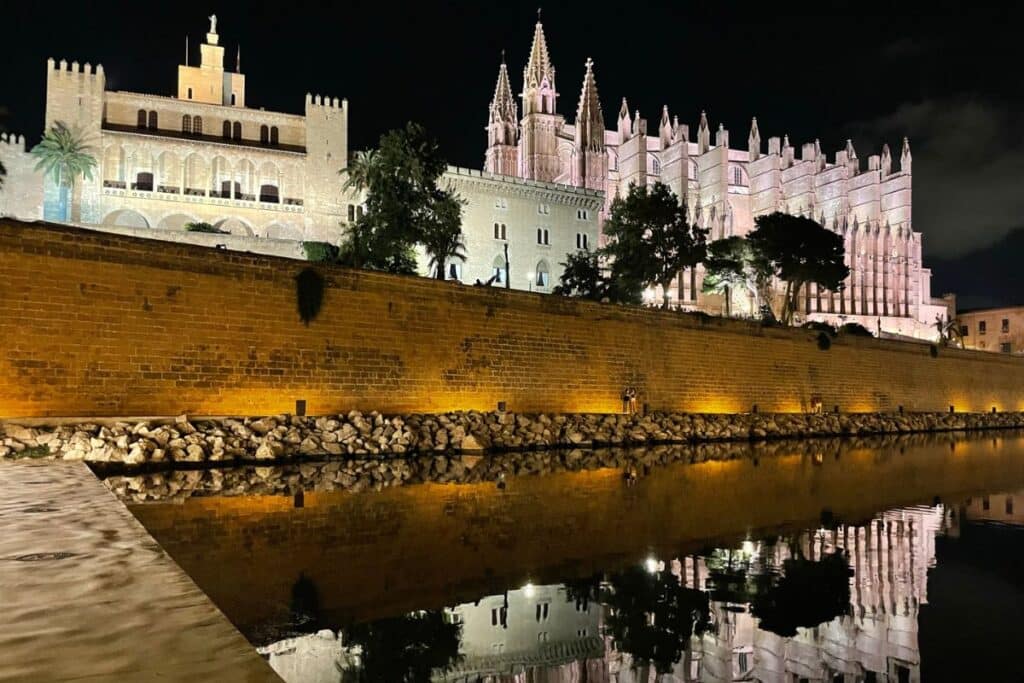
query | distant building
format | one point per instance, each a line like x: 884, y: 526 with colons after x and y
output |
x: 726, y: 189
x: 1000, y: 330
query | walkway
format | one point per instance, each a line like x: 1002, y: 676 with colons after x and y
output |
x: 87, y: 595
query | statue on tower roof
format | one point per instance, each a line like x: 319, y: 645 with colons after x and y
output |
x: 213, y: 23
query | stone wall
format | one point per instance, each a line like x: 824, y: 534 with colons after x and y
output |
x: 96, y: 324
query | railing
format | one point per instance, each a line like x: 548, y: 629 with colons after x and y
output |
x: 119, y: 184
x: 168, y: 189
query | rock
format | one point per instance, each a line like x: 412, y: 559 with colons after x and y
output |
x: 472, y: 444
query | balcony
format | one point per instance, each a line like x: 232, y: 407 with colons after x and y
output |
x: 201, y: 137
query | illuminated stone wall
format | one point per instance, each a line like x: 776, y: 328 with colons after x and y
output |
x: 98, y: 324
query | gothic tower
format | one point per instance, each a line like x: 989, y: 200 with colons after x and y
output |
x: 591, y: 161
x: 538, y: 150
x: 502, y: 128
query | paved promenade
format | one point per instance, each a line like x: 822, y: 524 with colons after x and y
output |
x: 87, y: 595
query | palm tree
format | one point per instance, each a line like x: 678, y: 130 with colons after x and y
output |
x: 64, y: 154
x: 360, y: 170
x: 442, y: 235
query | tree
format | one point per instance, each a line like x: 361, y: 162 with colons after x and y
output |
x: 404, y: 205
x: 442, y: 232
x: 800, y: 252
x: 652, y: 615
x: 949, y: 332
x: 584, y: 276
x: 732, y: 263
x: 807, y: 594
x: 197, y: 226
x: 64, y: 155
x: 650, y: 239
x: 405, y: 648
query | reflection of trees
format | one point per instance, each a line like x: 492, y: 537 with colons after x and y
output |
x: 652, y: 616
x: 806, y: 594
x: 405, y: 648
x: 305, y: 605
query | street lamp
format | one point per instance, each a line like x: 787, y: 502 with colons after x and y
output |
x: 529, y: 280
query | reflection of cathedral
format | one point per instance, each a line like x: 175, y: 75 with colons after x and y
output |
x: 540, y: 633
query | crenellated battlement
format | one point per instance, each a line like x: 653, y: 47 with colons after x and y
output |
x: 62, y: 68
x: 326, y: 102
x: 15, y: 142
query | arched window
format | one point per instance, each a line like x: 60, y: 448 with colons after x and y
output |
x: 543, y: 275
x: 227, y: 130
x: 264, y: 134
x: 152, y: 120
x: 499, y: 270
x: 142, y: 118
x: 236, y: 130
x: 190, y: 93
x: 232, y: 99
x: 500, y: 231
x: 273, y: 135
x: 197, y: 125
x: 186, y: 124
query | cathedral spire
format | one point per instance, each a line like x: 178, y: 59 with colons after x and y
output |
x: 589, y: 119
x: 754, y: 141
x: 703, y: 134
x: 539, y: 67
x: 905, y: 158
x: 665, y: 128
x: 885, y: 163
x: 502, y: 127
x: 625, y: 128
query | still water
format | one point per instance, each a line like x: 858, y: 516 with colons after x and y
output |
x: 898, y: 559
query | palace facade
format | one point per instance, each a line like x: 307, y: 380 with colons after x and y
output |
x: 726, y: 188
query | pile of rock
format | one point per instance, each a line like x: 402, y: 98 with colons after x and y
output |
x: 358, y: 435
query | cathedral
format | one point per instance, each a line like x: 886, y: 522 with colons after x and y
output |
x: 726, y: 188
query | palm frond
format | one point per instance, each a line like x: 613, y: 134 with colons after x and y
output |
x: 65, y: 154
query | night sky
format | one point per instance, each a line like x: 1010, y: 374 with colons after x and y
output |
x: 949, y: 79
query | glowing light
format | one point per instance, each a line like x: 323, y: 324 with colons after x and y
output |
x: 529, y: 590
x: 651, y: 565
x: 748, y: 548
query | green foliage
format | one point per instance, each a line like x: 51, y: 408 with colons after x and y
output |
x: 64, y: 154
x: 583, y: 276
x: 652, y: 616
x: 406, y: 648
x: 650, y: 239
x: 309, y: 294
x: 949, y: 332
x: 404, y: 205
x: 731, y: 264
x: 32, y: 452
x: 855, y: 330
x: 320, y: 252
x: 807, y: 594
x: 800, y: 252
x: 205, y: 227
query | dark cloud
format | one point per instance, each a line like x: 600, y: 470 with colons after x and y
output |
x: 968, y: 167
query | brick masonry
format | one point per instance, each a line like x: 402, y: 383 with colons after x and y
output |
x: 95, y: 324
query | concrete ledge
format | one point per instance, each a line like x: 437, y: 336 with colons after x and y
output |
x: 88, y: 595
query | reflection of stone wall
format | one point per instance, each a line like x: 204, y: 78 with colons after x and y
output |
x: 474, y: 539
x: 160, y: 328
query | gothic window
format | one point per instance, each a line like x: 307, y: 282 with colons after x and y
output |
x: 264, y: 134
x: 543, y: 277
x: 233, y: 99
x: 268, y: 193
x: 655, y: 165
x: 501, y: 203
x: 227, y: 130
x: 737, y: 176
x: 144, y: 181
x: 543, y: 236
x: 582, y: 241
x: 197, y: 125
x: 582, y: 214
x: 500, y: 231
x: 498, y: 270
x: 236, y: 130
x: 152, y: 120
x: 273, y: 135
x: 142, y: 118
x: 186, y: 124
x: 351, y: 213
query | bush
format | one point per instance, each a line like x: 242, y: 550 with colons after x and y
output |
x: 855, y: 330
x: 824, y: 341
x: 320, y: 252
x: 820, y: 327
x: 205, y: 227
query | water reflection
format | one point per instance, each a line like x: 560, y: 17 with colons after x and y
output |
x: 778, y: 568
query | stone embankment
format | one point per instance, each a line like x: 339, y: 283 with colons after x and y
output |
x: 358, y: 435
x: 374, y: 474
